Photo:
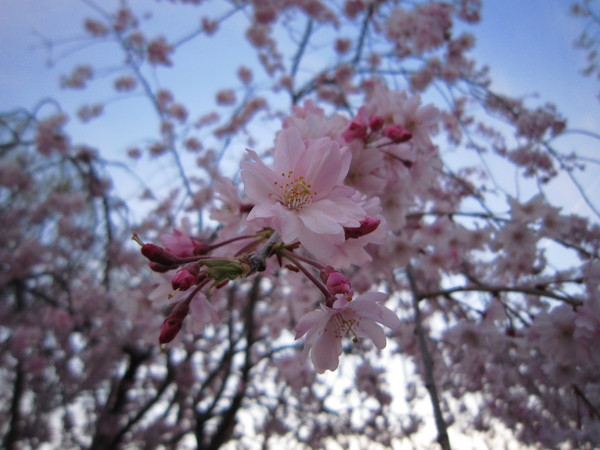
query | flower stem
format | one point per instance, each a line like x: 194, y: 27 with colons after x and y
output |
x: 294, y: 259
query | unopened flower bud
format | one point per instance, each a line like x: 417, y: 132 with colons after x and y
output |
x: 159, y: 255
x: 397, y: 133
x: 160, y: 268
x: 169, y: 330
x: 336, y: 282
x: 367, y: 225
x: 376, y: 123
x: 355, y: 130
x: 186, y: 277
x: 200, y: 248
x: 173, y: 323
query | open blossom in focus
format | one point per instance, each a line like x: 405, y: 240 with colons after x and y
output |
x: 360, y: 317
x: 302, y: 196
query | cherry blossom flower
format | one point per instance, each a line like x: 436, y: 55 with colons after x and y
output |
x: 359, y: 317
x: 302, y: 196
x: 313, y: 123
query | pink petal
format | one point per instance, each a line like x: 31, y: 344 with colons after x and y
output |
x: 321, y: 246
x: 290, y: 225
x: 323, y: 163
x: 309, y: 320
x: 371, y: 330
x: 317, y: 218
x: 289, y: 146
x: 258, y: 178
x: 326, y: 351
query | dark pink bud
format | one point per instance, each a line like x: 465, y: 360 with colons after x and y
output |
x: 185, y: 278
x: 160, y: 268
x: 173, y: 323
x: 336, y: 282
x: 158, y: 255
x: 367, y: 225
x: 169, y: 330
x: 397, y: 133
x: 376, y: 123
x: 339, y: 284
x: 355, y: 130
x: 200, y: 248
x: 325, y: 272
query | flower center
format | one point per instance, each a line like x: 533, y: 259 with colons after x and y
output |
x: 296, y: 192
x: 344, y: 323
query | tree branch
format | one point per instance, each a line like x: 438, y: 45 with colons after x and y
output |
x: 440, y: 424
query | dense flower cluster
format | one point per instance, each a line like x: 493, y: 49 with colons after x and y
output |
x: 365, y: 254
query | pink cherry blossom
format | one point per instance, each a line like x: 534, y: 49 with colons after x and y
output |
x: 302, y: 196
x: 360, y: 317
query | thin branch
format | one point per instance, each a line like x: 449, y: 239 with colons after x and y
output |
x: 585, y: 400
x: 440, y: 424
x: 574, y: 180
x: 301, y: 49
x: 495, y: 289
x: 363, y: 35
x: 12, y: 436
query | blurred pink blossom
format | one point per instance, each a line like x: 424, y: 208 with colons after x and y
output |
x: 360, y: 317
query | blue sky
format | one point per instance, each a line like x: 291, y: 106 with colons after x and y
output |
x: 527, y: 44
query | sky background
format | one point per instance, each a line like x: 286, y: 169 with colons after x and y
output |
x: 528, y: 46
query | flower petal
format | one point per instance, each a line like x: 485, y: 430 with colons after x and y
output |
x: 326, y: 352
x: 309, y: 320
x: 289, y: 147
x: 371, y: 330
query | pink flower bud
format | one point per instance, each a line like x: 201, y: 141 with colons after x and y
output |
x: 367, y: 225
x: 170, y: 328
x: 185, y: 278
x: 397, y: 133
x: 354, y: 131
x: 376, y: 123
x: 200, y: 248
x: 339, y: 284
x: 160, y: 268
x: 173, y: 323
x: 336, y: 282
x: 158, y: 255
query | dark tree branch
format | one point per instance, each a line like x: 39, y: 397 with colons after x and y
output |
x: 440, y: 424
x: 225, y: 428
x: 12, y: 436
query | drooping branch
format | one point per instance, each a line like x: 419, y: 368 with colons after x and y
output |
x: 495, y: 289
x: 363, y: 35
x: 440, y: 423
x: 225, y: 428
x: 298, y: 56
x: 12, y: 436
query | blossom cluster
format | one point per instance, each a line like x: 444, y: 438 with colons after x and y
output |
x: 353, y: 230
x: 324, y: 202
